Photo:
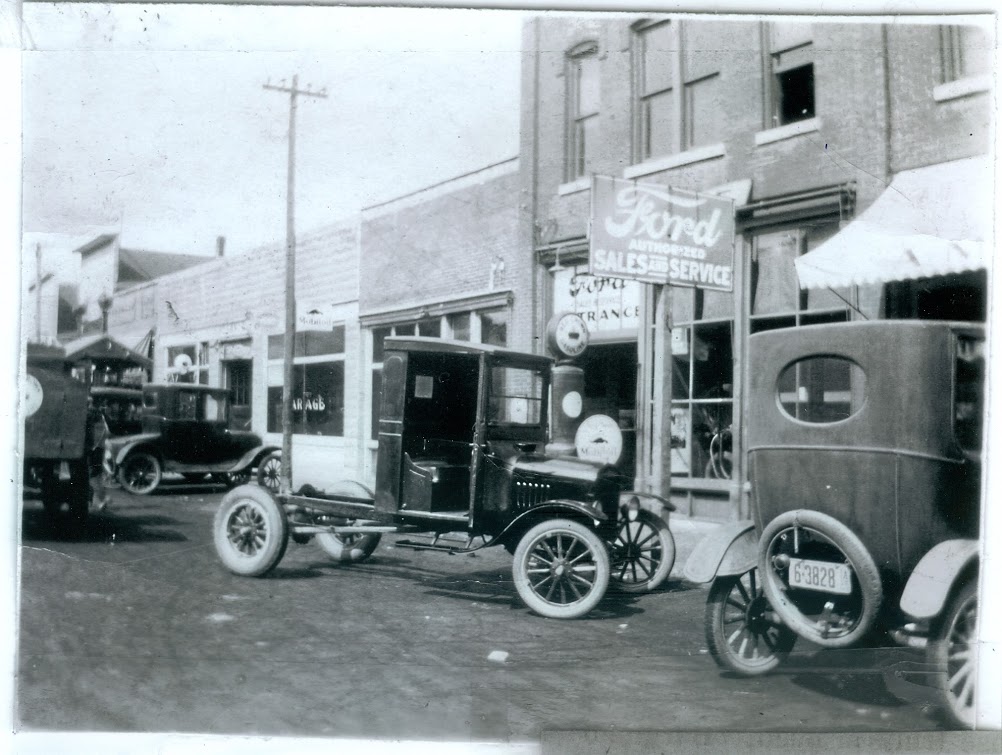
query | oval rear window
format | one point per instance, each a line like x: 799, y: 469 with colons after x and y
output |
x: 822, y: 389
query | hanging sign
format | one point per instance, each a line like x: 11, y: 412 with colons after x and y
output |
x: 658, y: 234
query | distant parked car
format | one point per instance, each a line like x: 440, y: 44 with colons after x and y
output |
x: 185, y: 429
x: 122, y: 408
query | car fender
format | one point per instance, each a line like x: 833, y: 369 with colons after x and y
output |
x: 128, y: 445
x: 255, y: 453
x: 730, y: 549
x: 567, y: 507
x: 932, y: 581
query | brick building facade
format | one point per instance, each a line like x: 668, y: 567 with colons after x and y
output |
x: 803, y: 125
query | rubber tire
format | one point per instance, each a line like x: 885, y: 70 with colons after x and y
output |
x: 520, y: 569
x: 127, y: 464
x: 955, y: 618
x: 351, y: 549
x: 269, y: 472
x: 271, y: 522
x: 663, y: 568
x: 717, y: 631
x: 860, y: 562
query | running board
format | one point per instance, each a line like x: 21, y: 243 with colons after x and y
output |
x: 414, y: 545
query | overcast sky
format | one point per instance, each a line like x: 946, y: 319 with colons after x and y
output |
x: 153, y: 119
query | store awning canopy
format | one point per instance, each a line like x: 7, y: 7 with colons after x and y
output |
x: 104, y: 350
x: 929, y: 221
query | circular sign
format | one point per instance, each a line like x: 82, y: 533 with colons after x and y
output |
x: 33, y: 395
x: 568, y: 335
x: 571, y: 404
x: 599, y: 439
x: 182, y: 362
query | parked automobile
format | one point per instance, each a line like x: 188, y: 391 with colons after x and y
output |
x: 122, y: 408
x: 864, y: 451
x: 461, y: 428
x: 185, y: 429
x: 55, y: 433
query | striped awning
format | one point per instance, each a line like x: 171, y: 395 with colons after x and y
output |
x: 929, y: 221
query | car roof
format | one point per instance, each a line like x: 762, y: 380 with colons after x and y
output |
x: 446, y: 345
x: 115, y: 390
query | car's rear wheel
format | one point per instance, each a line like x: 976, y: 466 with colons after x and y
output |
x: 643, y: 553
x: 836, y: 600
x: 561, y: 569
x: 269, y: 472
x: 351, y: 547
x: 140, y: 473
x: 952, y: 653
x: 250, y: 531
x: 742, y: 632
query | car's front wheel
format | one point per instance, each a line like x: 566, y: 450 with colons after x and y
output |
x: 250, y: 531
x: 561, y: 569
x: 269, y: 472
x: 140, y: 473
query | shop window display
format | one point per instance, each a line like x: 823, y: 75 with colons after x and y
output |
x: 317, y: 382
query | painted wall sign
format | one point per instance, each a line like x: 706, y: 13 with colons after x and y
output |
x: 313, y: 317
x: 658, y: 234
x: 605, y: 304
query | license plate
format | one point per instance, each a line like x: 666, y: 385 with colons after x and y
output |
x: 822, y: 576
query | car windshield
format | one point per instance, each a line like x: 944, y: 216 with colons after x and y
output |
x: 516, y: 396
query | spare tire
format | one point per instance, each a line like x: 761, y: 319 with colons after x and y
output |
x: 819, y: 578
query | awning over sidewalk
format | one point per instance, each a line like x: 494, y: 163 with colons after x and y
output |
x: 104, y: 350
x: 929, y: 221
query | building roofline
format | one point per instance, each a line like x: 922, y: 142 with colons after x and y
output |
x: 94, y: 244
x: 494, y: 170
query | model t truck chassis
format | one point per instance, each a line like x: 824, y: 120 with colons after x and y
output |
x: 55, y: 433
x: 459, y: 429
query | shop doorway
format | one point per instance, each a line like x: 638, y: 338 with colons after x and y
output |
x: 238, y: 374
x: 610, y: 373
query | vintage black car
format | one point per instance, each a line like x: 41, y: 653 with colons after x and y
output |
x: 864, y: 450
x: 462, y: 429
x: 186, y: 430
x: 122, y: 408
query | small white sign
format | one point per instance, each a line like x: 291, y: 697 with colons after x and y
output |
x: 599, y: 439
x: 314, y: 317
x: 571, y: 404
x: 33, y: 395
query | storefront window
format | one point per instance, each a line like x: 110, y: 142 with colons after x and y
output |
x: 317, y: 400
x: 317, y: 382
x: 777, y: 301
x: 188, y: 364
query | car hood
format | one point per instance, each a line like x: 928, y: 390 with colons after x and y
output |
x: 565, y: 467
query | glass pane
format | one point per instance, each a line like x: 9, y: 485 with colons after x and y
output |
x: 681, y: 451
x: 822, y: 389
x: 318, y: 343
x: 659, y: 125
x: 405, y: 330
x: 586, y: 140
x: 588, y: 84
x: 774, y: 278
x: 430, y: 328
x: 494, y: 327
x: 460, y: 326
x: 703, y: 108
x: 712, y: 455
x: 796, y: 94
x: 215, y: 408
x: 658, y: 49
x: 516, y: 396
x: 713, y: 365
x: 378, y: 335
x: 321, y: 402
x: 969, y: 386
x: 187, y: 405
x: 682, y: 304
x: 377, y: 399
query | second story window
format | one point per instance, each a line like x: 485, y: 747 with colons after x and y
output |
x: 790, y: 86
x: 583, y: 108
x: 966, y: 52
x: 677, y: 87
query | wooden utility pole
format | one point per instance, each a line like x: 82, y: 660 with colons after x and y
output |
x: 294, y: 93
x: 38, y: 292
